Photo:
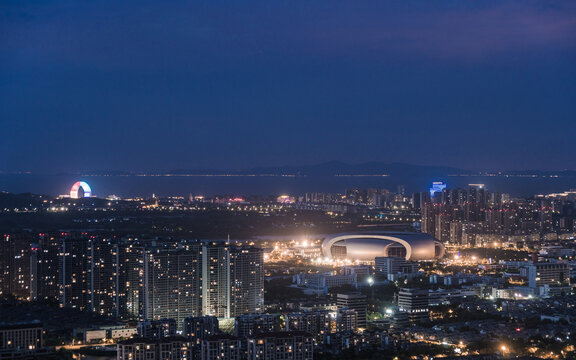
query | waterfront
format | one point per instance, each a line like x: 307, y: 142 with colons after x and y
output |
x: 135, y: 185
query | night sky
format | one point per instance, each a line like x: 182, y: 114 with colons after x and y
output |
x: 160, y: 85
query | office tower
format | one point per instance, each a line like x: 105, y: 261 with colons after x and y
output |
x: 246, y: 280
x: 355, y: 301
x: 437, y: 188
x: 220, y: 347
x: 44, y: 271
x: 171, y: 284
x: 289, y: 345
x: 157, y: 329
x: 414, y: 302
x: 318, y: 323
x: 250, y: 324
x: 15, y: 265
x: 551, y: 274
x: 175, y: 348
x: 199, y: 327
x: 346, y: 320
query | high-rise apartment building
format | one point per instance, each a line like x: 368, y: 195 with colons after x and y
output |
x: 171, y: 284
x: 44, y: 270
x: 246, y: 280
x: 132, y: 279
x: 15, y: 265
x: 216, y: 279
x: 74, y: 273
x: 93, y: 275
x: 232, y: 279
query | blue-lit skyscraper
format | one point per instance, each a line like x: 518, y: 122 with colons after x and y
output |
x: 437, y: 186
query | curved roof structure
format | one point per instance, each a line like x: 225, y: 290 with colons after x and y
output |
x: 367, y: 246
x: 74, y: 191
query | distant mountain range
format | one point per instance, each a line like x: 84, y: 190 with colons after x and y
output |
x: 337, y: 168
x: 332, y: 168
x: 369, y: 168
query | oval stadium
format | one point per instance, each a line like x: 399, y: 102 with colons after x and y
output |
x: 366, y: 246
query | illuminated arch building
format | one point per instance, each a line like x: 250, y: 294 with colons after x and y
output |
x: 80, y: 189
x: 367, y: 246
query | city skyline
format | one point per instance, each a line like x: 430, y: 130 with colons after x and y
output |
x: 281, y: 180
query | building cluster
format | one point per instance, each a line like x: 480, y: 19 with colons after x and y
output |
x: 130, y: 279
x: 476, y: 217
x: 377, y: 204
x: 535, y: 323
x: 382, y: 198
x: 527, y: 280
x: 255, y: 336
x: 292, y: 335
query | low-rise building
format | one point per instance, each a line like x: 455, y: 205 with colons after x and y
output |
x: 251, y: 324
x: 283, y: 345
x: 174, y: 348
x: 20, y: 340
x: 157, y: 329
x: 318, y: 323
x: 220, y: 347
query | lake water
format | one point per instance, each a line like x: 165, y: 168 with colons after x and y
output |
x: 127, y: 186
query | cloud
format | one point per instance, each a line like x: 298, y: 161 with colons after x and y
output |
x: 457, y: 33
x: 175, y: 33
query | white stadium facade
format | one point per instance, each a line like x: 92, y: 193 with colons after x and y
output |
x: 366, y: 246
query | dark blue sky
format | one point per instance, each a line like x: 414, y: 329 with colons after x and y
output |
x: 158, y: 85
